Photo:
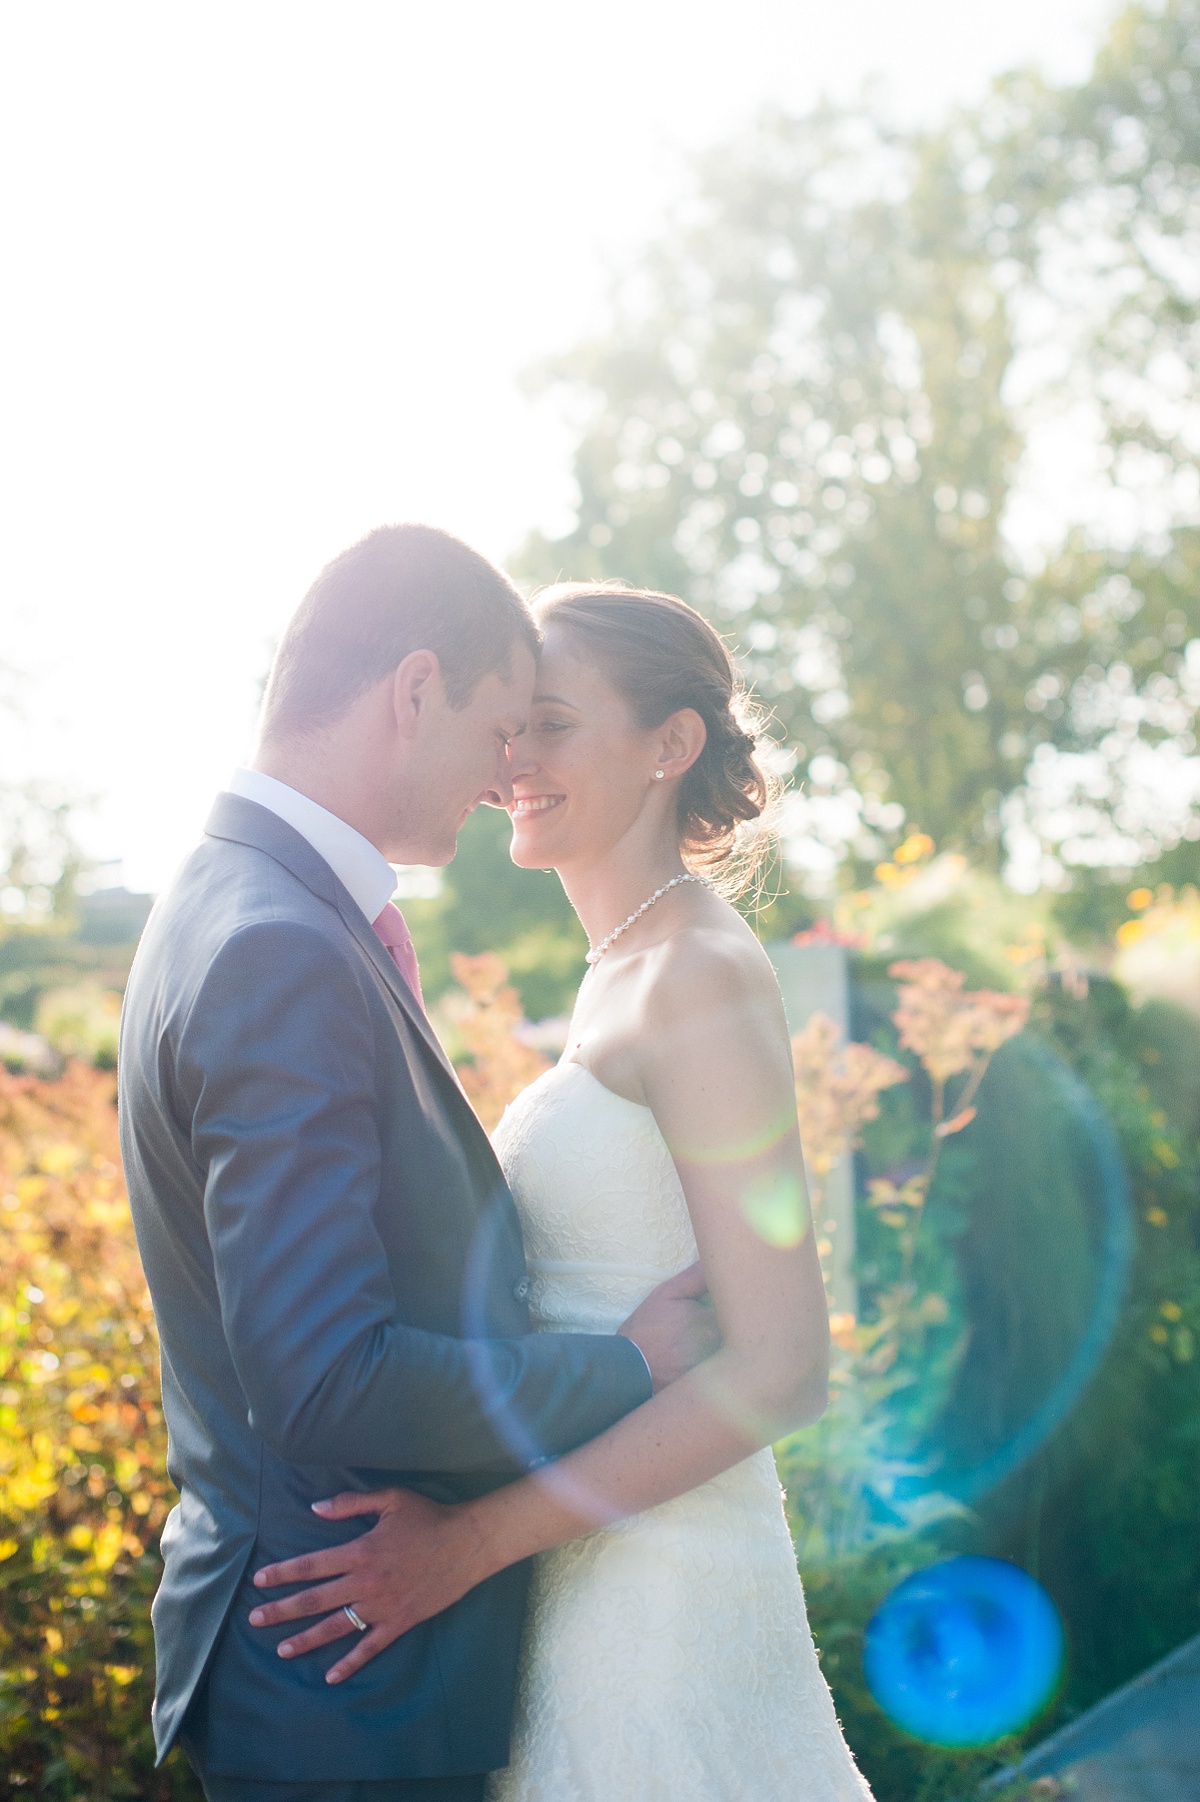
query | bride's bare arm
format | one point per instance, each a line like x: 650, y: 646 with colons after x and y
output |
x: 714, y: 1067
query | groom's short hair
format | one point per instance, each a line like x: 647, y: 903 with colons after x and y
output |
x: 400, y: 589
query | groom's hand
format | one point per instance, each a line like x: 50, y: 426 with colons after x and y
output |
x: 418, y: 1559
x: 675, y: 1328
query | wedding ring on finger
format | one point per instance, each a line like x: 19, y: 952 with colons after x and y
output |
x: 354, y: 1617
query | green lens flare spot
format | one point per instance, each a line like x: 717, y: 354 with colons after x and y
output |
x: 777, y: 1210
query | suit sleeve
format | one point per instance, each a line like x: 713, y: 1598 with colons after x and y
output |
x: 277, y: 1065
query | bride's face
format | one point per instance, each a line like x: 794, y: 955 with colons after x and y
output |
x: 583, y: 770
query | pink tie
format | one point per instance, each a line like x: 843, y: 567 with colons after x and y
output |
x: 395, y: 934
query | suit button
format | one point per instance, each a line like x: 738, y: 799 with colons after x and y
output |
x: 521, y: 1289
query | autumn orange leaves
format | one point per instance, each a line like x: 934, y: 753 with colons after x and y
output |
x: 954, y: 1032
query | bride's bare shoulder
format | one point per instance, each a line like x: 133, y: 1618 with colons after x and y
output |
x: 713, y: 1053
x: 714, y: 964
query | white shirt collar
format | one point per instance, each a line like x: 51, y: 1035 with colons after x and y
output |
x: 358, y: 866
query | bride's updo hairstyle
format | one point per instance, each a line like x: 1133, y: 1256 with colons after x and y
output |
x: 661, y: 655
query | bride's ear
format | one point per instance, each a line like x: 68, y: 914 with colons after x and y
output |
x: 679, y: 741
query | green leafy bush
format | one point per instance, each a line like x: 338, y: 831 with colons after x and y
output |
x: 83, y: 1485
x: 1106, y: 1514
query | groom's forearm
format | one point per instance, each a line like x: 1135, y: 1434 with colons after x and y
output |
x: 417, y: 1401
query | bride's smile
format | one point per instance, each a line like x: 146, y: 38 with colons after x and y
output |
x: 582, y: 769
x: 536, y: 803
x: 595, y: 791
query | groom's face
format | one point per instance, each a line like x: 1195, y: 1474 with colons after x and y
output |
x: 462, y: 759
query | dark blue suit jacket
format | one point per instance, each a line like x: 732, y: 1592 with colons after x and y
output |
x: 339, y: 1283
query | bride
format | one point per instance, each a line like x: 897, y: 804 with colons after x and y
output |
x: 667, y: 1657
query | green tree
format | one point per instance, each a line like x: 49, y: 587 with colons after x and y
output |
x: 39, y: 854
x: 40, y: 860
x: 810, y: 416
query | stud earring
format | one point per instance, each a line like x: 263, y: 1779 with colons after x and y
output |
x: 659, y: 774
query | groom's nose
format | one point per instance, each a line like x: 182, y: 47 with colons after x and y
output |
x: 499, y: 795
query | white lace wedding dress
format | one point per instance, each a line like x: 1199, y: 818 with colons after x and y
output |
x: 668, y: 1658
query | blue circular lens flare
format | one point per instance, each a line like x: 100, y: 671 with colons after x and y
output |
x: 964, y: 1652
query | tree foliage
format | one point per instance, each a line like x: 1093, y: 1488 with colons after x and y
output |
x: 39, y: 853
x: 40, y: 860
x: 820, y: 408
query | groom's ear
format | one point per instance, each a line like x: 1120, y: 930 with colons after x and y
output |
x: 416, y: 687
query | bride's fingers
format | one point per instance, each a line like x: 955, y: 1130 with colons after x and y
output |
x: 369, y: 1644
x: 312, y: 1567
x: 352, y: 1502
x: 304, y: 1605
x: 334, y: 1626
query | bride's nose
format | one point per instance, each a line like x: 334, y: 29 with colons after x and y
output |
x: 521, y: 758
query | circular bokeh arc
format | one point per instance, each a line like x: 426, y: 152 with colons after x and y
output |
x: 1106, y: 1184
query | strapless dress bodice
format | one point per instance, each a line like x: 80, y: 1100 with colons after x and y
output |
x: 602, y: 1208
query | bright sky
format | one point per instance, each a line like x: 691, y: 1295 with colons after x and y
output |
x: 272, y: 272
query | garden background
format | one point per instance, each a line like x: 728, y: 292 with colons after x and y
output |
x: 821, y: 406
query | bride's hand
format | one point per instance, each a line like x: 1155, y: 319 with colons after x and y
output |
x: 418, y: 1558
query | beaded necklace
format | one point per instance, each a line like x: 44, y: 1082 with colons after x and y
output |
x: 593, y: 957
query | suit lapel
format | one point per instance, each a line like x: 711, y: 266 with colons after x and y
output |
x: 246, y: 823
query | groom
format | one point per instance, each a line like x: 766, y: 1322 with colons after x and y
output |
x: 334, y: 1257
